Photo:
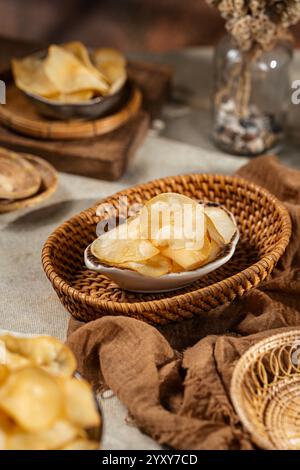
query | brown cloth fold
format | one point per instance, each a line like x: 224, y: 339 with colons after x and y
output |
x: 175, y: 380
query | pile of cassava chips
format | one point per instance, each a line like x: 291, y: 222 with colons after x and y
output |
x: 70, y: 74
x: 172, y: 233
x: 42, y: 405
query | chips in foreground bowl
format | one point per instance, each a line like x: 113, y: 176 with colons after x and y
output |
x: 43, y: 351
x: 70, y: 74
x: 42, y: 406
x: 172, y: 233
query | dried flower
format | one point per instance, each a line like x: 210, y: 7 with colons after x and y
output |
x: 241, y: 30
x: 257, y: 23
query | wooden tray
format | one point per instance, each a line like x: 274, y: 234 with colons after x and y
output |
x: 21, y: 116
x: 104, y: 156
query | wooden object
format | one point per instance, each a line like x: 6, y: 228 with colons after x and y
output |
x: 265, y: 230
x: 20, y: 115
x: 102, y: 157
x: 154, y: 81
x: 265, y: 390
x: 47, y: 186
x: 18, y: 178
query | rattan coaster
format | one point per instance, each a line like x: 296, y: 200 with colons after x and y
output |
x: 265, y: 391
x: 21, y: 115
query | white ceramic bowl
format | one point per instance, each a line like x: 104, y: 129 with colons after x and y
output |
x: 136, y: 282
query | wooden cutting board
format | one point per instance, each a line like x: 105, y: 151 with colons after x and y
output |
x: 106, y: 156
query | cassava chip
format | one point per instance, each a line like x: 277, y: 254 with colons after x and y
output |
x: 2, y: 440
x: 30, y: 76
x: 115, y: 74
x: 176, y: 268
x: 81, y: 444
x: 213, y: 232
x: 32, y: 398
x: 215, y: 250
x: 75, y: 97
x: 222, y: 222
x: 189, y: 259
x: 173, y: 220
x: 69, y: 75
x: 112, y: 64
x: 4, y: 373
x: 154, y: 267
x: 7, y: 425
x: 115, y: 251
x: 128, y: 230
x: 82, y: 54
x: 58, y: 435
x: 80, y: 407
x: 43, y: 351
x: 16, y: 361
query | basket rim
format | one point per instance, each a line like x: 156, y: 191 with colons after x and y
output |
x: 254, y: 269
x: 241, y: 367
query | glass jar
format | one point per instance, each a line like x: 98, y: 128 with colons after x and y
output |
x: 251, y: 97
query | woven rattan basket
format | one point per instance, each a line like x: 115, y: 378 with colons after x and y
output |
x: 265, y: 391
x: 265, y: 230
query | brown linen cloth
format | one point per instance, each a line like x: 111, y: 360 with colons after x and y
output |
x: 175, y: 380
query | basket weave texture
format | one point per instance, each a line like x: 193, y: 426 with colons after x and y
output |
x: 265, y: 391
x: 265, y: 229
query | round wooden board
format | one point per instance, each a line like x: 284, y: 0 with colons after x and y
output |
x: 18, y: 177
x: 21, y: 115
x: 48, y: 186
